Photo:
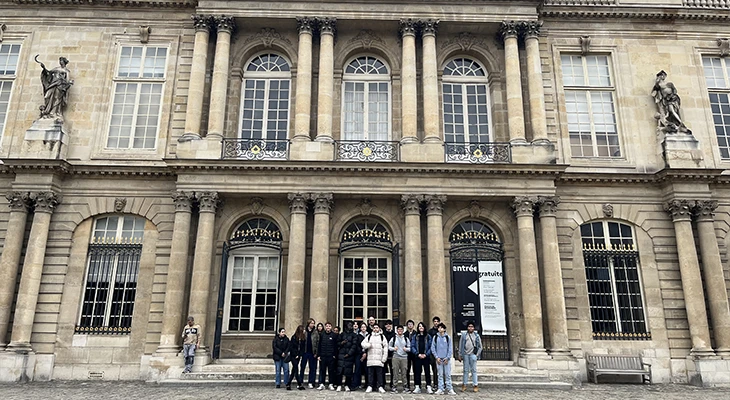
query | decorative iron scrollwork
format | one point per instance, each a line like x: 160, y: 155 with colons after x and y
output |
x: 256, y: 149
x: 257, y: 232
x: 366, y: 233
x: 368, y: 150
x: 478, y: 153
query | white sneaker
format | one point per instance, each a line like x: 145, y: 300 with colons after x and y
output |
x: 416, y: 390
x: 394, y: 390
x: 439, y: 391
x: 321, y: 386
x: 339, y: 388
x: 347, y: 389
x: 381, y: 390
x: 451, y: 391
x: 332, y: 387
x: 369, y: 389
x: 311, y: 386
x: 429, y: 390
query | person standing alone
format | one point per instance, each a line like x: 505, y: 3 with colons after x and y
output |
x: 191, y: 340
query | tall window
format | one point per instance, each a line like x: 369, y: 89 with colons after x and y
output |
x: 614, y: 282
x: 111, y: 278
x: 137, y: 104
x: 265, y: 104
x: 8, y: 70
x: 589, y: 93
x: 717, y: 76
x: 466, y: 106
x: 366, y: 100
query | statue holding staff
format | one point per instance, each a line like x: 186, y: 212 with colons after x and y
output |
x: 56, y: 83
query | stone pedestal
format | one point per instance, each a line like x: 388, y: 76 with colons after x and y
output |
x: 165, y: 366
x: 533, y: 153
x: 200, y: 149
x: 304, y: 150
x: 710, y: 372
x: 682, y: 151
x: 25, y: 367
x: 45, y: 139
x: 422, y: 152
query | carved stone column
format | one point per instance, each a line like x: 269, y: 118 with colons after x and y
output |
x: 430, y: 83
x: 529, y: 277
x: 294, y: 303
x: 515, y: 112
x: 413, y: 269
x: 538, y: 122
x: 303, y: 99
x: 437, y: 284
x: 553, y: 275
x: 694, y: 297
x: 10, y: 259
x: 208, y: 203
x: 409, y: 101
x: 177, y: 271
x: 30, y: 279
x: 318, y: 293
x: 219, y: 85
x: 194, y: 110
x: 325, y: 92
x: 714, y: 276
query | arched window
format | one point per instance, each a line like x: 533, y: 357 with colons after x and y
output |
x: 366, y: 100
x: 110, y: 285
x: 265, y: 102
x: 465, y: 102
x: 614, y: 283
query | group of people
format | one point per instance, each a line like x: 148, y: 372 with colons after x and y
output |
x: 360, y: 355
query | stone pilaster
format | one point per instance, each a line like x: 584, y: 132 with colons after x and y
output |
x: 694, y: 298
x: 194, y: 110
x: 172, y: 314
x: 294, y: 312
x: 538, y: 121
x: 515, y: 113
x: 704, y: 211
x: 325, y: 94
x: 437, y: 283
x: 225, y: 26
x: 432, y: 133
x: 303, y: 99
x: 409, y: 108
x: 30, y: 279
x: 19, y: 202
x: 318, y: 293
x: 553, y: 277
x: 413, y: 269
x: 529, y: 277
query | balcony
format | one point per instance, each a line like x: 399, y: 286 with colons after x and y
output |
x: 255, y: 149
x: 367, y: 151
x: 478, y: 153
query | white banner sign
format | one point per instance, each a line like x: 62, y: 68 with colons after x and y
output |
x: 491, y: 298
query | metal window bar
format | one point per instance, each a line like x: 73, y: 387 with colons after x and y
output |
x: 255, y: 149
x: 367, y: 150
x: 478, y: 153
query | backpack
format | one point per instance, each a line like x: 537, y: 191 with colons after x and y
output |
x: 436, y: 343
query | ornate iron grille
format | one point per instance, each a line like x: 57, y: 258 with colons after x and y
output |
x: 367, y: 150
x: 257, y: 232
x: 256, y: 149
x: 478, y: 153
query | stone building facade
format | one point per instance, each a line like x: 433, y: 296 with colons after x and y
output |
x: 254, y: 164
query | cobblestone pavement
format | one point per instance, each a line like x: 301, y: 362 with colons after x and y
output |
x: 139, y: 390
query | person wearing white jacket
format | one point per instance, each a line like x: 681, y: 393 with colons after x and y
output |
x: 376, y: 347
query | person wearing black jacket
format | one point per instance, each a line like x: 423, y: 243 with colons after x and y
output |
x: 297, y: 348
x: 433, y: 332
x: 327, y: 356
x: 280, y: 348
x: 389, y: 333
x: 348, y: 352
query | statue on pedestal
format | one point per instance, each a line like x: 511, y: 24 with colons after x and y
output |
x: 668, y: 101
x: 56, y: 83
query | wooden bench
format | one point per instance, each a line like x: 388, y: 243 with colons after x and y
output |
x: 609, y: 364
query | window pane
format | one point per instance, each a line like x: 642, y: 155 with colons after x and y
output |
x: 9, y: 54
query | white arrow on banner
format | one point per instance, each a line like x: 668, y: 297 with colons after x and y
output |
x: 475, y: 287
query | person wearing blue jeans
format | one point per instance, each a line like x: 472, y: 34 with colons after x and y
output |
x: 310, y: 353
x: 281, y: 355
x: 470, y: 347
x: 442, y: 352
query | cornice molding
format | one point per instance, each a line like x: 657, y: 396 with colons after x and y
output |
x: 122, y: 3
x: 610, y: 11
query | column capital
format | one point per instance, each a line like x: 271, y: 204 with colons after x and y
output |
x: 411, y: 203
x: 19, y: 201
x: 306, y: 25
x: 208, y: 201
x: 408, y: 27
x: 530, y: 29
x: 434, y: 204
x: 322, y: 202
x: 548, y: 205
x: 46, y: 202
x: 680, y: 209
x: 704, y: 210
x: 297, y: 203
x: 201, y: 22
x: 183, y: 200
x: 524, y: 205
x: 508, y: 29
x: 225, y: 23
x: 327, y: 25
x: 429, y: 27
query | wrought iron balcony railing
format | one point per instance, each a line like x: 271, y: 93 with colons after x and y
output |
x: 256, y: 149
x: 478, y: 153
x: 367, y: 150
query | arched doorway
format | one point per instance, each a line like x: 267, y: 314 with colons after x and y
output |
x: 478, y: 288
x: 368, y: 277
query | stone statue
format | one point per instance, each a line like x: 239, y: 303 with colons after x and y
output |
x: 668, y: 101
x: 56, y: 83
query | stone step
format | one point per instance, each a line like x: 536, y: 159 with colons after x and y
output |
x: 268, y: 383
x: 268, y: 376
